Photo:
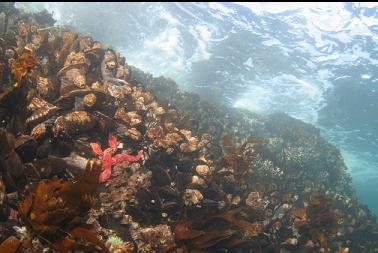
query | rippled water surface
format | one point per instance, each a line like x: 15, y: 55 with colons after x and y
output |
x: 317, y: 62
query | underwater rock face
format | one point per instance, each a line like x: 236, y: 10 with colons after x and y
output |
x: 292, y: 154
x: 189, y: 176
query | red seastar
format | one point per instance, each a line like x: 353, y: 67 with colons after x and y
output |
x: 108, y: 160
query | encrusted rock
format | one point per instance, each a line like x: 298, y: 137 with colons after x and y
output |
x: 192, y: 197
x: 152, y: 239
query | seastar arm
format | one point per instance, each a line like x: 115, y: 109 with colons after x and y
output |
x: 105, y: 175
x: 113, y: 142
x: 96, y: 148
x: 107, y: 162
x: 126, y: 157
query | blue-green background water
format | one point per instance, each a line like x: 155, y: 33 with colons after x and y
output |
x: 316, y: 61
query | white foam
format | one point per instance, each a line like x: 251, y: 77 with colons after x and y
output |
x: 220, y: 7
x: 203, y: 35
x: 249, y: 62
x: 365, y: 76
x: 161, y: 55
x: 280, y: 7
x: 272, y: 42
x: 367, y: 4
x: 294, y: 95
x: 54, y: 7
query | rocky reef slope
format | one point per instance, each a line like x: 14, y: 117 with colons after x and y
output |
x: 97, y: 156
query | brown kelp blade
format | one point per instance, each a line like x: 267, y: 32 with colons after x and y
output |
x: 211, y: 238
x: 10, y: 245
x: 88, y: 235
x: 228, y: 145
x: 56, y: 202
x: 184, y: 231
